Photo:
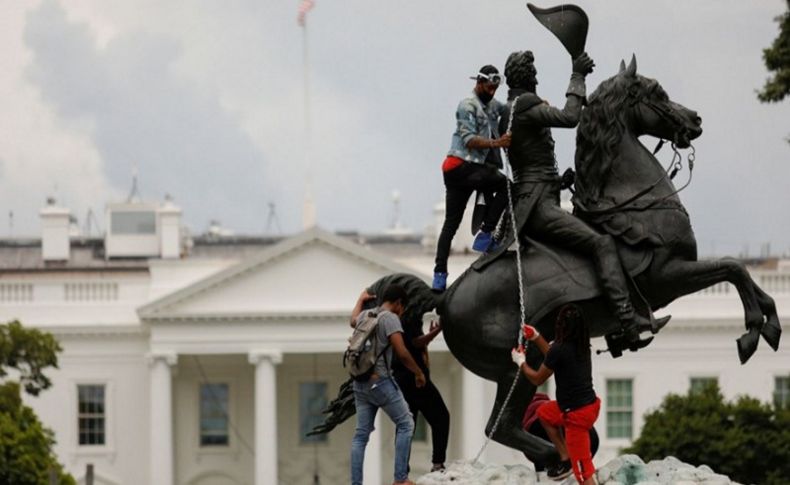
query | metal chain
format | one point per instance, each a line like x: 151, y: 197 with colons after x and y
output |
x: 520, y: 285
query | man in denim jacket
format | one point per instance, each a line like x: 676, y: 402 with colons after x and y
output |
x: 473, y: 163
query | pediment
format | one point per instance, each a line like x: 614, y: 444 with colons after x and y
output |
x: 312, y: 273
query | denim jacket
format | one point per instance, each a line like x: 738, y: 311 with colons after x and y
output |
x: 474, y: 119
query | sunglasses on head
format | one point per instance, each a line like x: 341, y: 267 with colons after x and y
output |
x: 494, y: 78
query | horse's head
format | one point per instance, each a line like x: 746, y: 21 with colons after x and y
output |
x: 653, y: 113
x: 626, y: 103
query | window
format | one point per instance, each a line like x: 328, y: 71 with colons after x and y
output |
x: 420, y: 429
x: 312, y: 400
x: 133, y: 223
x: 214, y: 414
x: 697, y: 384
x: 619, y: 408
x: 782, y: 392
x: 91, y: 414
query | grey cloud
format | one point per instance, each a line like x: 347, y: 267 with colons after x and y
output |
x: 385, y: 81
x: 140, y: 111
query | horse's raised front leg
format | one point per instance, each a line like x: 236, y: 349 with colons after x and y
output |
x: 686, y: 277
x: 509, y: 431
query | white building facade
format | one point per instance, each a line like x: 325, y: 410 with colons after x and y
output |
x: 208, y: 367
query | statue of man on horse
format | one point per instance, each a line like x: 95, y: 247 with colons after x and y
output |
x: 536, y: 184
x: 627, y: 251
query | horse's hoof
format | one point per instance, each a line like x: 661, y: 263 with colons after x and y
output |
x: 747, y: 345
x: 772, y: 332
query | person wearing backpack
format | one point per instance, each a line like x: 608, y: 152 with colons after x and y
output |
x: 375, y: 388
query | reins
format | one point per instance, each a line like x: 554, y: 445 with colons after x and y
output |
x: 675, y: 165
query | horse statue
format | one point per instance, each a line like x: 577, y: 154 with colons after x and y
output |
x: 621, y: 189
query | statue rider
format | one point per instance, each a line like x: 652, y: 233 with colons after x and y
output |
x: 537, y: 181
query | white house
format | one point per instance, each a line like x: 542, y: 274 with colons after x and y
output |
x: 204, y: 361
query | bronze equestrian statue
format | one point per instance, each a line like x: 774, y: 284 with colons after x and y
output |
x: 621, y: 192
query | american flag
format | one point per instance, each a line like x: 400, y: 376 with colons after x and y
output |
x: 304, y: 7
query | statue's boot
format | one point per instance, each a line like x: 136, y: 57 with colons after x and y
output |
x: 634, y: 323
x: 613, y: 280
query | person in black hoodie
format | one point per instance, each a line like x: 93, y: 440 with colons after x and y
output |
x: 427, y: 399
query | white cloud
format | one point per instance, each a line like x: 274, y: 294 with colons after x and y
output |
x: 39, y: 156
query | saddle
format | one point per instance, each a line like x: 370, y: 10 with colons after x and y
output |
x: 555, y: 276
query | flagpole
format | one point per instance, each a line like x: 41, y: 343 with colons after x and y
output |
x: 308, y: 209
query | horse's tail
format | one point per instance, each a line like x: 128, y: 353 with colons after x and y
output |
x: 421, y: 298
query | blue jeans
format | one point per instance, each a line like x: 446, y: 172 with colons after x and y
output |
x: 368, y: 398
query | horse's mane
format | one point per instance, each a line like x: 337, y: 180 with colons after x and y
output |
x: 601, y: 128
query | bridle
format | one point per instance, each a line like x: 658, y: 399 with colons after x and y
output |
x: 666, y: 112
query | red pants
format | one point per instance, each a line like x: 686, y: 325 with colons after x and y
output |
x: 577, y: 424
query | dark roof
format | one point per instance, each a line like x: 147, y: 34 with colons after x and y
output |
x: 87, y: 254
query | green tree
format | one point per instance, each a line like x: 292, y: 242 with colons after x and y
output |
x: 777, y: 60
x: 747, y: 440
x: 26, y: 453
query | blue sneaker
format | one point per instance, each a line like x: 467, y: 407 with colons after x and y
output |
x: 484, y: 242
x: 439, y: 281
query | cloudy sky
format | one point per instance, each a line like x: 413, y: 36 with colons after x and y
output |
x: 206, y: 99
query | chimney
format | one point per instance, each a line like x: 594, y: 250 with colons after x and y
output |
x: 169, y: 230
x: 55, y: 225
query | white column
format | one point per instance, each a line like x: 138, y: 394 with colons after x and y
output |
x: 371, y: 470
x: 265, y: 415
x: 161, y: 433
x: 474, y: 416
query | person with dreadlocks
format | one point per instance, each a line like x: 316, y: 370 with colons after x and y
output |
x: 577, y: 406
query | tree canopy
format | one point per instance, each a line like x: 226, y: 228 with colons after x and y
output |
x: 29, y: 352
x: 744, y: 439
x: 26, y: 453
x: 777, y: 60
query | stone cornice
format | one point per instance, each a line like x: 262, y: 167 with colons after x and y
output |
x: 95, y: 330
x: 245, y: 317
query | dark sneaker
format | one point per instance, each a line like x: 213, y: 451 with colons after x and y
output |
x: 560, y: 471
x: 437, y: 467
x: 439, y: 281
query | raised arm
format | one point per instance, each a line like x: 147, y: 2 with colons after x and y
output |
x: 363, y: 297
x: 422, y: 341
x: 532, y: 335
x: 568, y: 116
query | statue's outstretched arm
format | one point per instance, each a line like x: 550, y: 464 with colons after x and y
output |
x: 567, y: 117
